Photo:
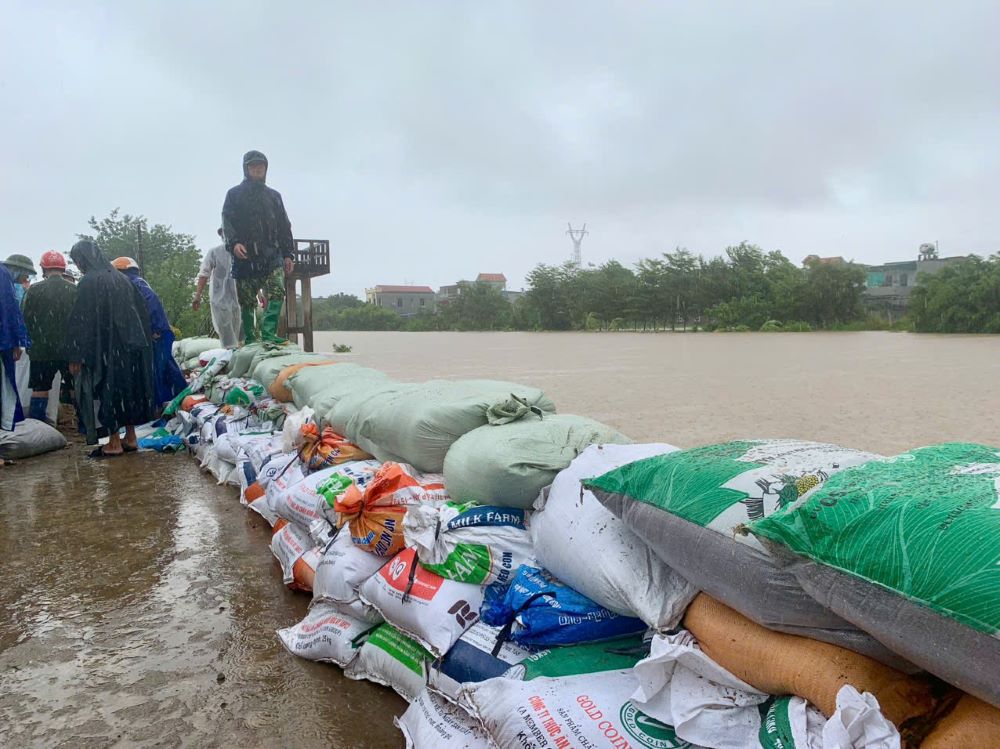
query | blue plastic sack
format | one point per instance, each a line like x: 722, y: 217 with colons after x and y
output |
x: 162, y: 443
x: 540, y: 611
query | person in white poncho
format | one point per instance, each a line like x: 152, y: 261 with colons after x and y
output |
x: 218, y: 266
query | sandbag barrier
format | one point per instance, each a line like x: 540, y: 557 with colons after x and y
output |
x: 736, y: 595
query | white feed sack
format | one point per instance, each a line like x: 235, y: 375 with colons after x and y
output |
x: 391, y: 658
x: 341, y: 571
x: 681, y: 686
x: 573, y: 712
x: 434, y: 723
x: 590, y: 549
x: 432, y: 610
x: 288, y: 545
x: 326, y: 634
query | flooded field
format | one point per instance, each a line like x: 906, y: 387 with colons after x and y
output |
x: 140, y: 600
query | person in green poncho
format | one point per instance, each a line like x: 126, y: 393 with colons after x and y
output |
x: 47, y: 307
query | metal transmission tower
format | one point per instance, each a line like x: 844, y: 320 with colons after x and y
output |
x: 577, y: 236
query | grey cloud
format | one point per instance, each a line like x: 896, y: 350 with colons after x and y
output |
x: 433, y: 141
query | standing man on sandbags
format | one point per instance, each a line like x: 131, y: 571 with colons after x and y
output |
x: 47, y: 307
x: 218, y: 266
x: 259, y: 236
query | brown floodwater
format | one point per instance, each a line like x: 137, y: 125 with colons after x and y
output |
x: 885, y: 392
x: 140, y: 600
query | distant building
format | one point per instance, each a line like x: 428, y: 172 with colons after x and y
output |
x: 497, y: 280
x: 888, y: 286
x: 811, y: 259
x: 446, y: 294
x: 403, y: 300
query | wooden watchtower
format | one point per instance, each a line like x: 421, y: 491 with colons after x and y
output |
x: 312, y: 259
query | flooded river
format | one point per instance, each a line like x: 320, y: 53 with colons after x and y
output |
x: 140, y: 600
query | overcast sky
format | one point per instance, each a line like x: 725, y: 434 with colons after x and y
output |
x: 429, y: 141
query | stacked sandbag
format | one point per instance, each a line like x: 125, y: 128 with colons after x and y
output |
x: 681, y: 686
x: 246, y: 358
x: 571, y: 529
x: 691, y: 507
x: 435, y: 723
x: 573, y: 711
x: 906, y: 548
x: 187, y: 350
x: 468, y: 542
x: 419, y: 423
x: 356, y: 399
x: 279, y: 388
x: 776, y: 663
x: 540, y: 611
x: 321, y: 388
x: 373, y: 515
x: 391, y: 658
x: 266, y: 370
x: 508, y: 464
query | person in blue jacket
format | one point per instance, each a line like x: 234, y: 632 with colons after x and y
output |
x: 13, y: 340
x: 167, y: 376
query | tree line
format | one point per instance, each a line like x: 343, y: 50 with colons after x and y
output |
x: 746, y: 288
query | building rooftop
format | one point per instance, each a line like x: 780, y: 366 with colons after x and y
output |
x: 492, y: 277
x: 389, y: 289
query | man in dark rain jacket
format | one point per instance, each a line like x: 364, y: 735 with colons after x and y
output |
x: 109, y: 348
x: 259, y: 236
x: 167, y: 376
x: 47, y: 307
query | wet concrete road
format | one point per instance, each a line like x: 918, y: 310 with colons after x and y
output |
x: 139, y: 608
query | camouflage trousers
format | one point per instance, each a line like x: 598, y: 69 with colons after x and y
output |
x: 273, y: 286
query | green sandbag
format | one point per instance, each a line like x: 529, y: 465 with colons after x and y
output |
x: 420, y: 423
x: 348, y: 413
x: 509, y: 464
x: 267, y: 370
x: 191, y: 348
x: 239, y: 363
x: 586, y: 658
x: 906, y: 548
x: 321, y: 387
x: 246, y: 358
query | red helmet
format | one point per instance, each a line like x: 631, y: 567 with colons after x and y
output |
x: 53, y: 259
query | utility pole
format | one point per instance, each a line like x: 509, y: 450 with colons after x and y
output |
x: 577, y: 235
x: 138, y: 248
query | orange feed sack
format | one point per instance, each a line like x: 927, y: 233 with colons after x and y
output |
x: 781, y: 664
x: 972, y: 723
x: 322, y: 450
x: 191, y: 401
x: 279, y: 388
x: 375, y: 515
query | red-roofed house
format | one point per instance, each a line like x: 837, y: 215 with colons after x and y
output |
x: 403, y: 300
x: 499, y: 280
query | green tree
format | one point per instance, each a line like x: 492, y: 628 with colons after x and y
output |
x: 170, y: 263
x: 366, y: 317
x: 478, y: 306
x: 962, y: 297
x: 833, y: 293
x: 548, y: 295
x: 324, y: 309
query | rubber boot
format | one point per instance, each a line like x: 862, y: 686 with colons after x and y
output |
x: 269, y: 325
x: 37, y: 408
x: 250, y: 332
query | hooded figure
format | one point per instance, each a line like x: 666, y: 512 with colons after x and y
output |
x: 109, y: 347
x: 13, y: 340
x: 217, y: 269
x: 167, y: 376
x: 259, y: 237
